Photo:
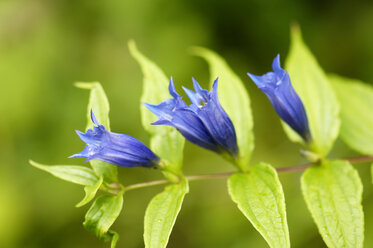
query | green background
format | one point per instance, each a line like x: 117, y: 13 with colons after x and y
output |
x: 46, y: 46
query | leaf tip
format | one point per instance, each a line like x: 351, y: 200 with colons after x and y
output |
x: 195, y: 50
x: 132, y: 47
x: 295, y: 32
x: 85, y: 85
x: 114, y: 239
x: 79, y: 204
x: 35, y: 164
x: 136, y: 54
x: 200, y: 51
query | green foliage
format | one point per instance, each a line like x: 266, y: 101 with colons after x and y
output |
x: 165, y: 141
x: 108, y: 171
x: 333, y: 193
x: 161, y: 214
x: 312, y: 86
x: 235, y: 101
x: 99, y: 104
x: 356, y: 100
x: 71, y: 173
x: 259, y: 195
x: 75, y: 174
x: 102, y: 214
x: 105, y: 209
x: 90, y: 192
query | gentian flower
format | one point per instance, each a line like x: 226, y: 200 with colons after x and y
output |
x: 204, y: 122
x: 114, y: 148
x: 277, y: 86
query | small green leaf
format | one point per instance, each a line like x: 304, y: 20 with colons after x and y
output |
x: 259, y: 195
x: 371, y: 169
x: 161, y: 214
x: 109, y: 171
x: 356, y: 100
x: 318, y: 97
x: 114, y: 238
x: 102, y: 214
x: 71, y: 173
x: 90, y: 192
x: 165, y: 141
x: 235, y: 101
x: 99, y: 104
x: 333, y: 194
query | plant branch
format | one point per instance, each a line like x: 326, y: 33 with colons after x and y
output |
x: 354, y: 160
x: 145, y: 184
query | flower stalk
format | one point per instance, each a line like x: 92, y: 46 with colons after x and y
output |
x: 354, y: 160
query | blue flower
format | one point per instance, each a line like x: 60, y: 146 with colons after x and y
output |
x: 203, y: 123
x: 277, y: 86
x: 114, y: 148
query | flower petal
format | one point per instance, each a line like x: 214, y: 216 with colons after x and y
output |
x: 204, y: 94
x: 172, y: 90
x: 193, y: 97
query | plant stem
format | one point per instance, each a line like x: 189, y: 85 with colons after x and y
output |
x: 354, y: 160
x: 145, y: 184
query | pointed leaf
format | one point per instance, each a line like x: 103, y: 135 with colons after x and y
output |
x: 161, y: 214
x: 90, y: 192
x: 99, y: 104
x: 114, y: 238
x: 108, y: 171
x: 235, y: 101
x: 102, y: 214
x: 71, y: 173
x: 333, y: 193
x: 312, y: 86
x: 165, y: 141
x: 259, y: 195
x: 356, y: 100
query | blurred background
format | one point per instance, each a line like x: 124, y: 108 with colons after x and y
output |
x: 46, y: 46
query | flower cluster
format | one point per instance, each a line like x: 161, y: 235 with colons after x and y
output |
x: 204, y: 122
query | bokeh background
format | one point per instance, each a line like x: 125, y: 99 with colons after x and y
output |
x: 46, y: 46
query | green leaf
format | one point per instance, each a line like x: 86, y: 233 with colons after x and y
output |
x: 114, y: 238
x: 108, y: 171
x: 356, y: 100
x: 99, y: 104
x: 165, y: 141
x: 312, y: 86
x: 90, y: 192
x: 259, y: 195
x: 371, y: 169
x: 161, y: 214
x: 102, y: 214
x: 333, y: 193
x: 235, y: 101
x: 71, y: 173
